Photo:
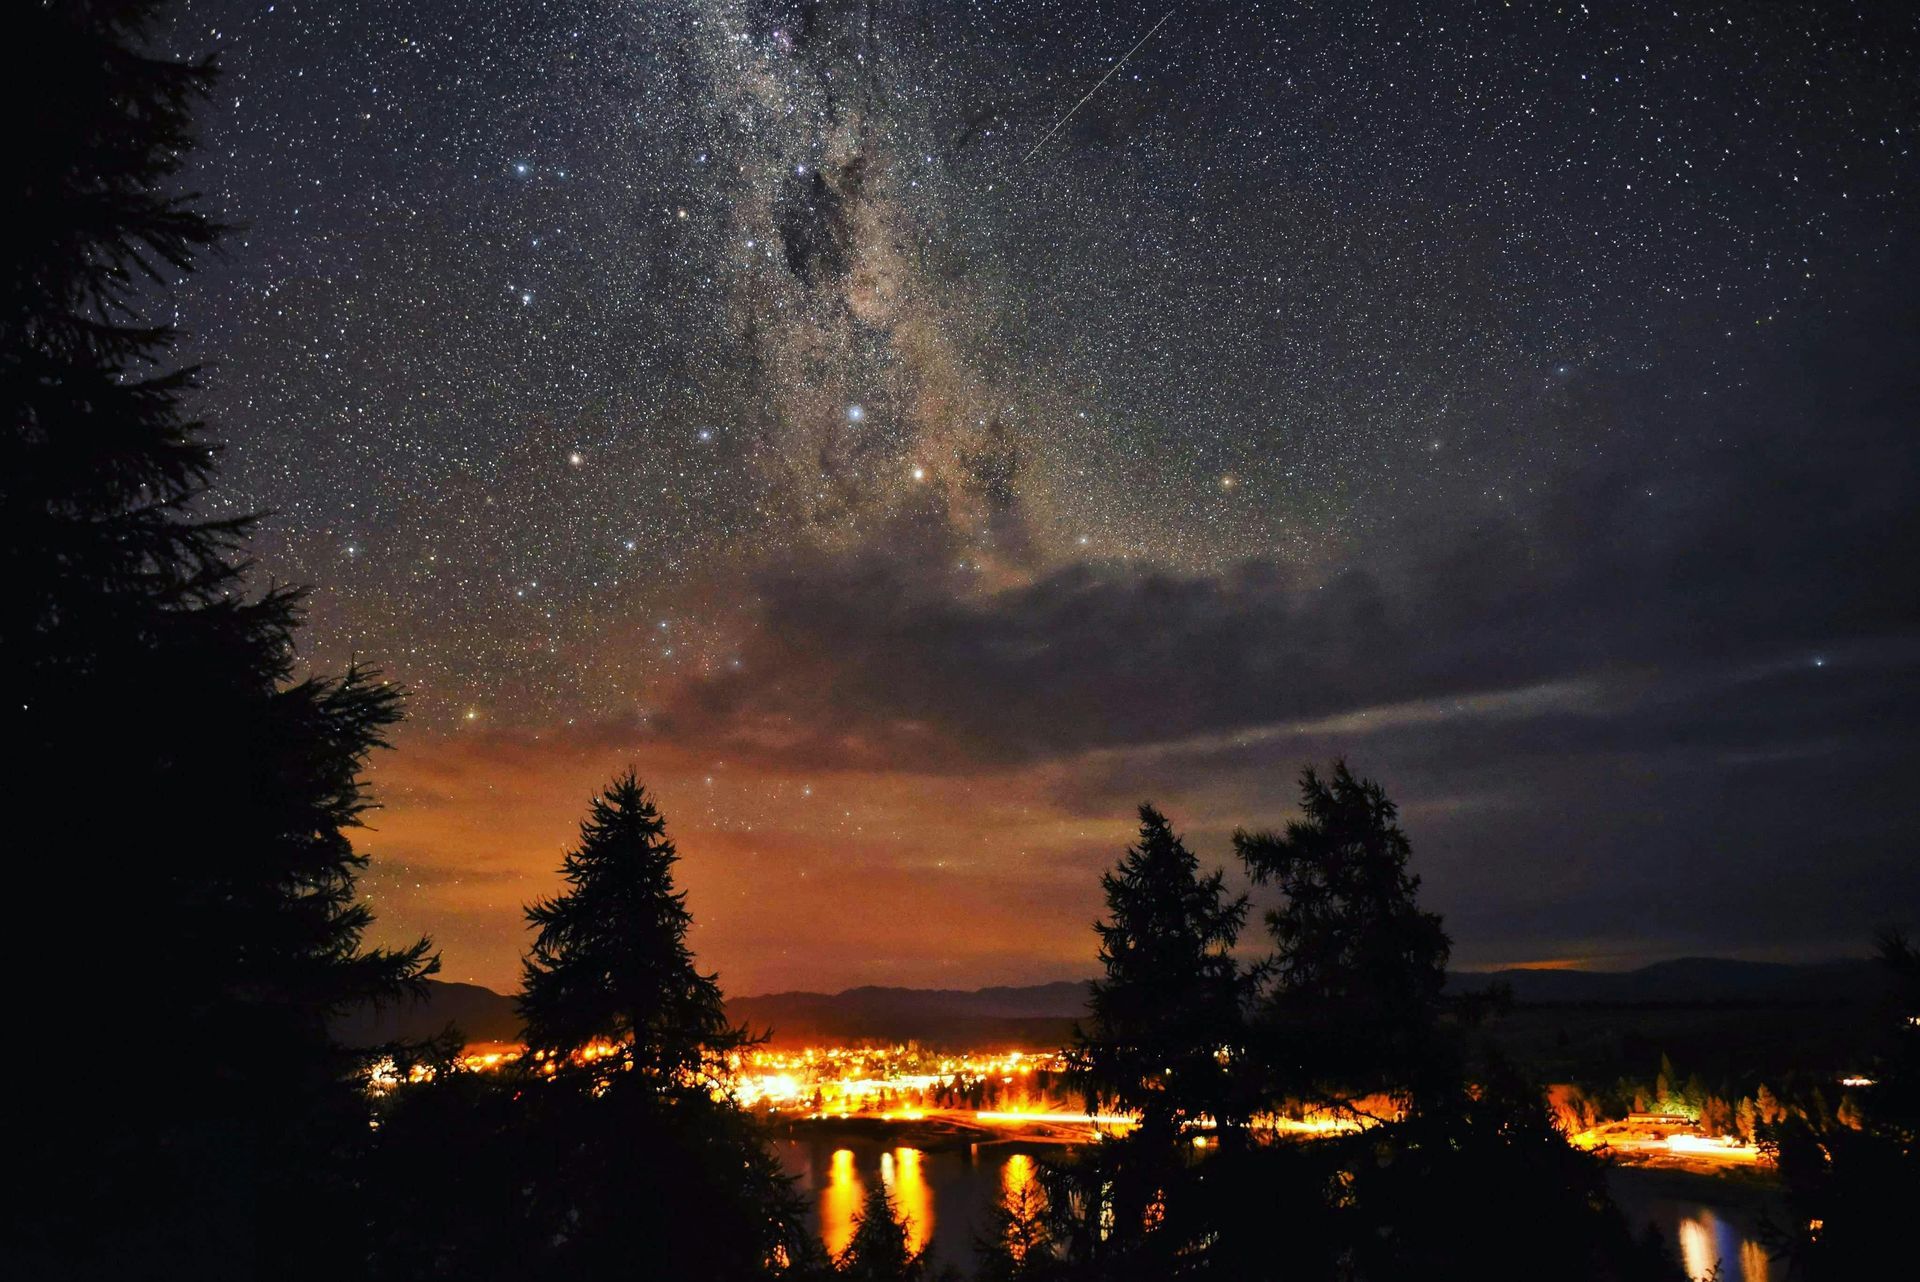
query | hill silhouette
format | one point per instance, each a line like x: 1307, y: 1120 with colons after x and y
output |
x: 1042, y: 1015
x: 480, y: 1014
x: 1685, y: 980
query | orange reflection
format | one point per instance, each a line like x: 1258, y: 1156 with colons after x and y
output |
x: 1697, y: 1253
x: 840, y: 1201
x: 911, y: 1194
x: 1020, y: 1193
x: 1016, y: 1178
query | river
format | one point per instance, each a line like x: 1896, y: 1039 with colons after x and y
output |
x: 946, y: 1196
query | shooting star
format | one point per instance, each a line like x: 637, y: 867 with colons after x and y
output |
x: 1096, y: 88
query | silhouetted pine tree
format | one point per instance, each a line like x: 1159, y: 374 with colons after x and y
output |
x: 610, y: 963
x: 1017, y: 1245
x: 636, y: 1155
x: 1165, y: 1040
x: 1359, y: 967
x: 879, y: 1250
x: 1851, y: 1184
x: 1355, y: 1007
x: 1167, y: 1018
x: 186, y: 799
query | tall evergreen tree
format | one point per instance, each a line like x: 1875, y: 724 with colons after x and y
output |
x: 1359, y: 966
x: 880, y: 1249
x: 635, y: 1151
x: 1165, y: 1040
x: 610, y: 963
x: 1166, y: 1020
x: 200, y: 794
x: 1356, y: 1007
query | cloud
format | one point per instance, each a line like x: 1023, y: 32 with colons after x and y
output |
x: 891, y: 656
x: 1660, y: 709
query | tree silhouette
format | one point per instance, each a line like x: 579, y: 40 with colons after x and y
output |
x: 201, y: 796
x: 1165, y: 1040
x: 1354, y: 1005
x: 1166, y: 1020
x: 1359, y: 967
x: 1852, y: 1182
x: 610, y: 963
x: 1017, y: 1245
x: 879, y: 1250
x: 619, y: 1145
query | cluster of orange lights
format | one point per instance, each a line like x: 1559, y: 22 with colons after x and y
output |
x: 889, y: 1082
x: 838, y: 1081
x: 1654, y: 1140
x: 898, y: 1083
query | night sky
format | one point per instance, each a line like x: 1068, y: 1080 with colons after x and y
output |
x: 1519, y: 400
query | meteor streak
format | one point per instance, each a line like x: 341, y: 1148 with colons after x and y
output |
x: 1096, y: 88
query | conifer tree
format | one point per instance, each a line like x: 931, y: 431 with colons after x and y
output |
x: 1166, y: 1020
x: 610, y: 963
x: 1359, y: 967
x: 1356, y: 1003
x: 879, y: 1250
x: 648, y: 1158
x: 200, y: 795
x: 1166, y: 1041
x: 1017, y: 1245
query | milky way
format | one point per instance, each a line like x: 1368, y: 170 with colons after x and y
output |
x: 1516, y: 399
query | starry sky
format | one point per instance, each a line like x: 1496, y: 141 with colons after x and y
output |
x: 913, y: 433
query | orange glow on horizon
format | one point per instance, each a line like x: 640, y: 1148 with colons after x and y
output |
x: 1550, y: 963
x: 799, y: 876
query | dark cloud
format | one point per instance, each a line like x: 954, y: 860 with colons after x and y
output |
x: 1628, y: 712
x: 1435, y: 386
x: 1680, y: 580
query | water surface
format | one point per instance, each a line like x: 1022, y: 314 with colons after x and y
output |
x: 946, y: 1196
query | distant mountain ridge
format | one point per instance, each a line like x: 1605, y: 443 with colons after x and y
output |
x: 1062, y: 999
x: 1040, y: 1015
x: 1685, y: 980
x: 480, y: 1014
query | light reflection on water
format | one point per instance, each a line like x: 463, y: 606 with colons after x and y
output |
x: 1708, y: 1241
x: 842, y: 1192
x: 1016, y: 1177
x: 912, y: 1197
x: 946, y: 1196
x: 1701, y: 1236
x: 840, y: 1196
x: 954, y: 1191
